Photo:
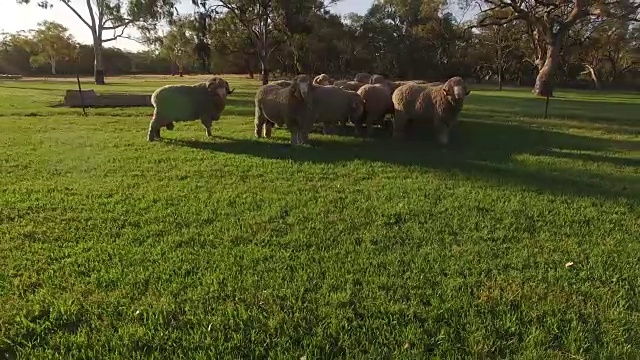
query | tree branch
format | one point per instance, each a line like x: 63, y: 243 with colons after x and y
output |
x: 77, y: 14
x: 116, y: 36
x: 115, y: 27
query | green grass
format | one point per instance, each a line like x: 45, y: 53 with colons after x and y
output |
x: 239, y: 248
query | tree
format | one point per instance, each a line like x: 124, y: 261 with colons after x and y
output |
x: 501, y: 44
x: 549, y: 22
x: 50, y: 43
x: 268, y: 23
x: 178, y: 44
x: 113, y: 15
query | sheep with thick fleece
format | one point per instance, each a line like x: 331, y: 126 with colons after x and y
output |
x: 437, y: 106
x: 281, y: 83
x: 362, y: 78
x: 322, y: 80
x: 334, y: 105
x: 349, y: 85
x: 290, y: 106
x: 174, y: 103
x: 377, y: 104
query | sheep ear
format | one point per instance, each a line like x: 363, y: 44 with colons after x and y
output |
x: 446, y: 92
x: 231, y: 91
x: 468, y: 92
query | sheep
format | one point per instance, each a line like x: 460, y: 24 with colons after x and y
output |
x: 291, y: 107
x: 340, y: 83
x: 333, y: 104
x: 349, y: 85
x: 322, y: 79
x: 436, y: 106
x: 281, y: 83
x: 377, y: 79
x: 173, y: 103
x: 377, y: 103
x: 362, y: 78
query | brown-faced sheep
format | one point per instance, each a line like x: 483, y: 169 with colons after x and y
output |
x: 377, y: 104
x: 438, y: 107
x: 291, y: 107
x: 322, y: 80
x: 362, y: 78
x: 175, y: 103
x: 334, y: 105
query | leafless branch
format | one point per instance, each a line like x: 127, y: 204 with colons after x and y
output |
x: 77, y: 14
x: 126, y: 23
x: 116, y: 35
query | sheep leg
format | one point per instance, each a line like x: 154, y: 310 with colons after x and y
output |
x: 154, y: 130
x: 260, y: 122
x: 207, y: 125
x: 370, y: 122
x: 268, y: 128
x: 399, y: 124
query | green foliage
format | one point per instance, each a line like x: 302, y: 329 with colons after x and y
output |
x: 519, y: 241
x: 179, y: 43
x: 50, y: 43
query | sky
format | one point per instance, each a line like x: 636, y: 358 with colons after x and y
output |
x: 15, y: 17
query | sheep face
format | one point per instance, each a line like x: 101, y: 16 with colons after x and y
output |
x: 229, y: 92
x: 218, y: 87
x: 357, y: 108
x: 456, y: 89
x: 300, y: 88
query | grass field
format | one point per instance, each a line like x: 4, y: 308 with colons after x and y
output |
x: 232, y: 247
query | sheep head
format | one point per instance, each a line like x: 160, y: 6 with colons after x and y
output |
x: 323, y: 80
x: 218, y: 87
x: 229, y: 92
x: 356, y: 107
x: 301, y: 87
x: 456, y: 89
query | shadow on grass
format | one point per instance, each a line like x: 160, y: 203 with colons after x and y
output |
x: 604, y: 112
x: 483, y: 151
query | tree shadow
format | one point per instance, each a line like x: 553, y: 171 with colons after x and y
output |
x: 605, y: 112
x: 484, y: 151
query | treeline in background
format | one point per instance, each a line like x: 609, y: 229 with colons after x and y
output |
x: 407, y: 39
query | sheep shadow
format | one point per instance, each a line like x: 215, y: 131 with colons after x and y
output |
x: 483, y: 151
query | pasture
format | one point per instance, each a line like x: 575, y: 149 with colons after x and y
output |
x: 521, y: 240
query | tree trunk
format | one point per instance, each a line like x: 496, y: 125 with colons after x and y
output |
x: 53, y: 65
x: 247, y: 65
x: 594, y: 77
x: 180, y: 70
x: 544, y: 86
x: 265, y: 71
x: 98, y: 64
x: 500, y: 77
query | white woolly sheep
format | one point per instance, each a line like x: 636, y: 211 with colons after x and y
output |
x: 322, y: 80
x: 377, y: 104
x: 435, y: 106
x: 349, y: 85
x: 362, y: 78
x: 175, y: 103
x: 291, y: 107
x: 334, y: 105
x: 281, y: 83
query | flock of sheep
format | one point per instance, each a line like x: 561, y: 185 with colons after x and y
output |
x: 300, y: 103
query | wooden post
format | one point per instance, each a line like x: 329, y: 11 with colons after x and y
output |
x: 84, y: 111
